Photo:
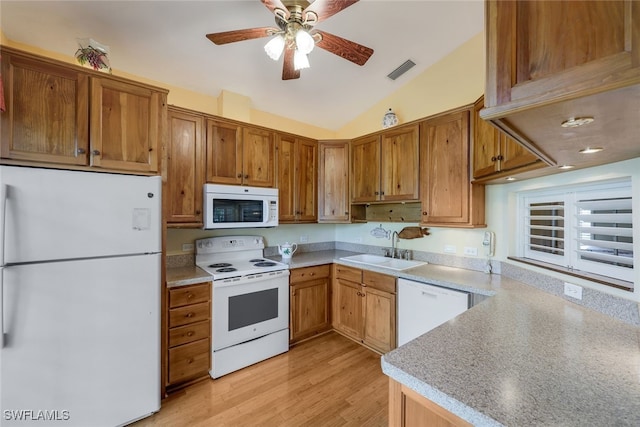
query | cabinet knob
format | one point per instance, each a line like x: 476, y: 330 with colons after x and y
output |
x: 189, y: 295
x: 346, y: 213
x: 81, y: 151
x: 190, y: 315
x: 190, y: 333
x: 312, y: 274
x: 198, y: 212
x: 246, y: 176
x: 96, y: 152
x: 425, y: 213
x: 376, y: 193
x: 500, y: 157
x: 239, y: 175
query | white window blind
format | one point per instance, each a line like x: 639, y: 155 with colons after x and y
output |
x: 585, y: 228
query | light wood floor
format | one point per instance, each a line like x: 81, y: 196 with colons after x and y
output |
x: 326, y: 381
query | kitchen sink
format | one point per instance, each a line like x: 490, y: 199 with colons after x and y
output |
x: 384, y: 262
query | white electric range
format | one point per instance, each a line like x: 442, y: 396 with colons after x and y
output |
x: 250, y: 310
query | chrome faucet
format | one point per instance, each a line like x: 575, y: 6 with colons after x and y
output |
x: 394, y: 238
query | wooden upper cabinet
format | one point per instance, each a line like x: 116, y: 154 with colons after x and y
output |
x: 224, y: 153
x: 385, y: 166
x: 551, y: 49
x: 552, y: 61
x: 333, y: 182
x: 297, y: 175
x: 125, y: 125
x: 258, y: 147
x: 365, y: 169
x: 307, y: 178
x: 448, y: 198
x: 63, y: 114
x: 185, y: 168
x: 400, y: 164
x: 495, y: 152
x: 47, y: 111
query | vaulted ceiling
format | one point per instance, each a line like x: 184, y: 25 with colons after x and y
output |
x: 165, y: 41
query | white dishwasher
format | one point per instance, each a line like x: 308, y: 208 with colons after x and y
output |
x: 422, y: 307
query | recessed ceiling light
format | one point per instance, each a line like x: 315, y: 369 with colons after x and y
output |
x: 564, y: 167
x: 510, y: 178
x: 591, y: 150
x: 574, y: 122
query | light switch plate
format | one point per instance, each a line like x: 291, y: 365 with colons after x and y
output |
x: 450, y: 249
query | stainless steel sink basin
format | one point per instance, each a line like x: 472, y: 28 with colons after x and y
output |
x: 384, y: 262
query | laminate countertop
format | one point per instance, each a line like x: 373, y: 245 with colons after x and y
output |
x: 522, y: 357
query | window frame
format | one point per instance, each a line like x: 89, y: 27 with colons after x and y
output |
x: 570, y: 261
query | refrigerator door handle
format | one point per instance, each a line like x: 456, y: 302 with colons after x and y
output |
x: 3, y: 211
x: 1, y: 307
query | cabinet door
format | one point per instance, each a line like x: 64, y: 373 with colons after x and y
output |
x: 486, y: 144
x: 224, y: 153
x: 47, y: 112
x: 307, y: 180
x: 350, y: 308
x: 400, y: 164
x: 286, y: 177
x: 542, y: 50
x: 185, y: 169
x: 125, y: 125
x: 333, y: 182
x: 258, y: 148
x: 365, y: 169
x: 380, y: 320
x: 445, y: 169
x: 514, y: 155
x: 309, y: 308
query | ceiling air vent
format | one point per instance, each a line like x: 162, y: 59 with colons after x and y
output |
x: 406, y: 66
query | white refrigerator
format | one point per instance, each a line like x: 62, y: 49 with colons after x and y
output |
x: 80, y: 259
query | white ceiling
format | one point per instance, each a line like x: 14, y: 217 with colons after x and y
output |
x: 165, y: 41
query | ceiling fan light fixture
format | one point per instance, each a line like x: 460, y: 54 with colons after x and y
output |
x: 304, y: 41
x: 275, y: 47
x: 300, y: 60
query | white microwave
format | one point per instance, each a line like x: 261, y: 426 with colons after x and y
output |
x: 233, y: 206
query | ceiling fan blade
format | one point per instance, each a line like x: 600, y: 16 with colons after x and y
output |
x: 288, y: 71
x: 324, y: 9
x: 272, y: 5
x: 351, y: 51
x: 240, y: 35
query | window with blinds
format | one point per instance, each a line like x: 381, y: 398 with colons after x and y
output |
x: 587, y: 228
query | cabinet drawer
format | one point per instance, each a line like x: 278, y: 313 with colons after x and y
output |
x: 189, y: 314
x: 348, y: 273
x: 189, y: 333
x: 189, y: 295
x: 189, y: 360
x: 379, y: 281
x: 308, y: 273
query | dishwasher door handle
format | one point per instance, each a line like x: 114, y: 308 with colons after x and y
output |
x: 429, y: 294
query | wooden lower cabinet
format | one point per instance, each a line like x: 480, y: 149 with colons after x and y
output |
x: 409, y: 409
x: 309, y: 300
x: 189, y: 334
x: 365, y: 307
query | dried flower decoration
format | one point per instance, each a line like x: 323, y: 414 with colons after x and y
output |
x: 92, y: 54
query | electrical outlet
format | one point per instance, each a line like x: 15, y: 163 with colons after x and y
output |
x: 450, y: 249
x: 187, y: 247
x: 304, y: 239
x: 573, y: 291
x: 468, y: 250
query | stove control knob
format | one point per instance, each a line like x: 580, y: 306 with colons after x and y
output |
x: 209, y: 244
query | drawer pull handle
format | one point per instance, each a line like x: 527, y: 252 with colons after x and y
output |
x: 190, y: 333
x: 190, y: 315
x: 190, y: 361
x: 189, y: 296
